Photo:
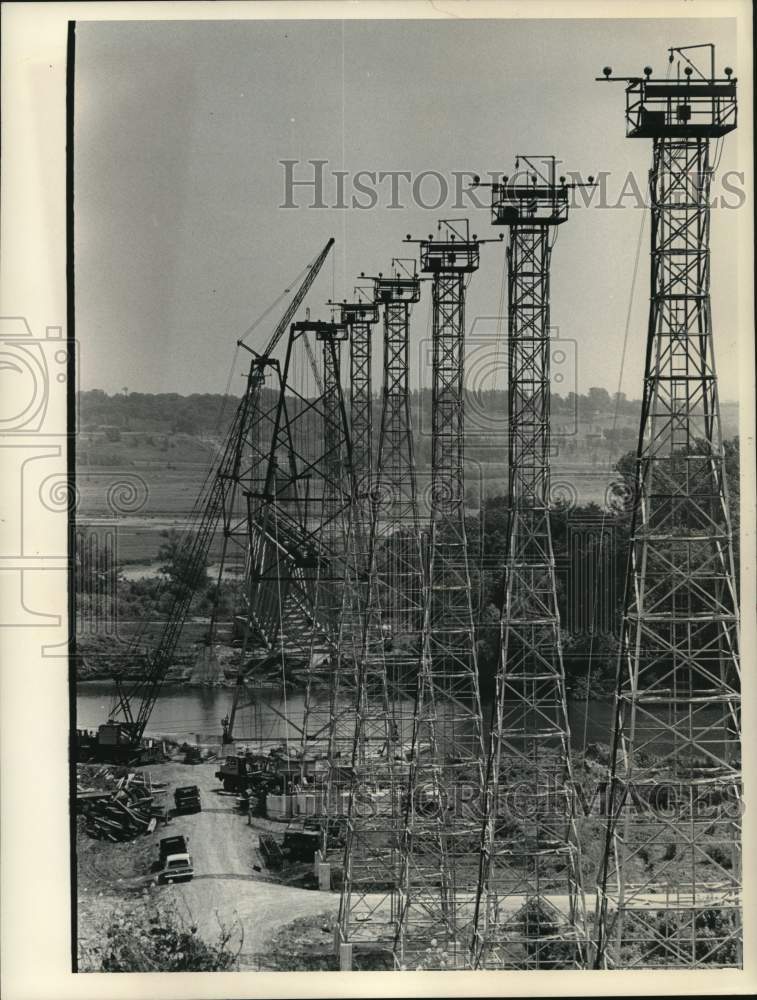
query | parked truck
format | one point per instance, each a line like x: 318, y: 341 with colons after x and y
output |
x: 262, y: 773
x: 301, y: 842
x: 175, y: 861
x: 187, y: 799
x: 238, y: 771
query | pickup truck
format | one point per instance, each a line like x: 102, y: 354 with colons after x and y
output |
x: 175, y: 862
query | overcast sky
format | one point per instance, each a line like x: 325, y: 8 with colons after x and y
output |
x: 180, y: 126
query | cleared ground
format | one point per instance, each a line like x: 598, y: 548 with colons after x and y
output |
x: 225, y: 889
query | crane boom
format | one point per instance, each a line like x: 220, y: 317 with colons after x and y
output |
x: 296, y: 302
x: 197, y: 542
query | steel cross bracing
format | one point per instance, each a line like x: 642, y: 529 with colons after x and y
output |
x: 244, y: 499
x: 370, y: 864
x: 333, y: 479
x: 294, y: 519
x: 390, y: 623
x: 530, y: 911
x: 398, y: 527
x: 441, y: 838
x: 358, y: 318
x: 670, y: 885
x: 276, y: 619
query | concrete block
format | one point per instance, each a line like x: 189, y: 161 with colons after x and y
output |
x: 324, y: 877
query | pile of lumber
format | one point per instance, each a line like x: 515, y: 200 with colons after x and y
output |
x: 127, y: 807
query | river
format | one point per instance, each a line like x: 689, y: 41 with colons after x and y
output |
x: 186, y: 712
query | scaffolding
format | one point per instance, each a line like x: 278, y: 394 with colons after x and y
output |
x: 271, y: 633
x: 441, y: 836
x: 320, y: 478
x: 530, y: 911
x: 386, y: 657
x: 358, y: 317
x: 669, y: 888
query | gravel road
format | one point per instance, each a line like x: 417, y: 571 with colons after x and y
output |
x: 225, y: 886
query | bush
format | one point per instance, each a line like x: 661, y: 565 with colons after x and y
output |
x: 161, y: 941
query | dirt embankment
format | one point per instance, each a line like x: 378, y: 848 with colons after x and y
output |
x: 226, y: 888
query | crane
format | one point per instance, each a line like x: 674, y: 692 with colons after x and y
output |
x: 120, y: 738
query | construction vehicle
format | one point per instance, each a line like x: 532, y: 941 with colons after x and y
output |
x: 300, y: 842
x: 187, y: 800
x: 254, y: 772
x: 335, y: 829
x: 259, y: 773
x: 238, y: 772
x: 120, y: 738
x: 271, y: 852
x: 175, y: 861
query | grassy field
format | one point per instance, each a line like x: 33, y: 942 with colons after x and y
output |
x: 140, y: 483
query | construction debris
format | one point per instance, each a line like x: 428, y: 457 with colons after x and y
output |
x: 122, y: 807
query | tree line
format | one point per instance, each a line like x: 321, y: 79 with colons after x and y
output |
x: 211, y: 413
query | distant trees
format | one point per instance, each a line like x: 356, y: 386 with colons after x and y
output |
x: 599, y: 399
x: 210, y: 413
x: 181, y: 565
x: 590, y: 543
x: 169, y: 411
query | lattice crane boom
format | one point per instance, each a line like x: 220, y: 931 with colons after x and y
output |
x: 216, y: 505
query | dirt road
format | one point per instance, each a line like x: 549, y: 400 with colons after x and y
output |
x: 225, y: 887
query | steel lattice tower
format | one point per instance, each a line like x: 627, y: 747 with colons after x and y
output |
x: 288, y: 526
x: 391, y: 619
x: 442, y: 832
x: 530, y: 911
x: 669, y: 892
x: 276, y: 587
x: 323, y: 713
x: 398, y: 556
x: 358, y: 318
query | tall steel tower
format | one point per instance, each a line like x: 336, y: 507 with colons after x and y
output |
x: 386, y: 657
x: 529, y: 910
x: 395, y: 484
x: 274, y: 581
x: 320, y: 469
x: 357, y: 317
x: 441, y: 837
x: 360, y: 316
x: 669, y: 892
